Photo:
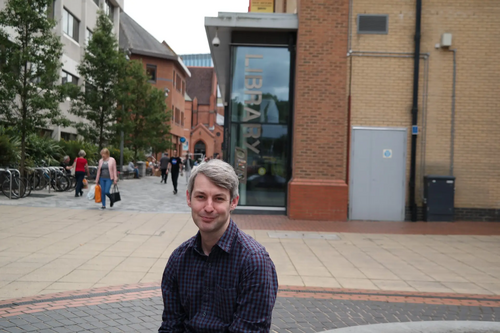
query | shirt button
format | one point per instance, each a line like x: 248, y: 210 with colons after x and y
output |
x: 204, y: 314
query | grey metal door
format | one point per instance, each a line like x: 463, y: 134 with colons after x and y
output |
x: 377, y: 174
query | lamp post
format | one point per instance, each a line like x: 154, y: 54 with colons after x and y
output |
x: 127, y: 57
x: 121, y: 155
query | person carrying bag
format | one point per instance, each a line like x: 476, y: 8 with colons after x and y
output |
x: 81, y: 167
x: 106, y: 175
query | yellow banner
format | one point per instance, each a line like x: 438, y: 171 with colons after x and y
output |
x: 262, y: 6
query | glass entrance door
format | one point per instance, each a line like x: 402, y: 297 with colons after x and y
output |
x: 259, y: 123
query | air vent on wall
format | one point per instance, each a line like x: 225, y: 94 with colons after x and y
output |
x: 373, y: 24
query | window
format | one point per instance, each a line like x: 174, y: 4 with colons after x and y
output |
x: 71, y: 26
x: 177, y: 116
x: 373, y: 24
x: 68, y: 136
x: 173, y: 113
x: 183, y: 87
x: 151, y: 72
x: 109, y: 9
x: 96, y: 2
x: 51, y: 9
x: 69, y: 78
x: 88, y: 36
x: 6, y: 61
x: 182, y: 119
x: 178, y: 82
x: 90, y: 92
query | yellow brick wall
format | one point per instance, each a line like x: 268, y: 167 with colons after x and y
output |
x: 382, y: 89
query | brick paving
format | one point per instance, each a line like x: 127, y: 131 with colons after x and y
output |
x: 278, y: 222
x: 82, y: 247
x: 137, y: 308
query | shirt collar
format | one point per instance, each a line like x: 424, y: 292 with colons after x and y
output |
x: 225, y: 242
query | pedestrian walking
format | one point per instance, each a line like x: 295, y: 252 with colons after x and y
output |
x: 81, y: 166
x: 106, y: 175
x: 174, y: 165
x: 188, y: 166
x: 163, y: 167
x: 220, y: 280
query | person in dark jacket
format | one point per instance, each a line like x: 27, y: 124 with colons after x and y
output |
x: 163, y: 167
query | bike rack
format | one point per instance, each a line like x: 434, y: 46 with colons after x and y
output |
x: 33, y: 170
x: 10, y: 176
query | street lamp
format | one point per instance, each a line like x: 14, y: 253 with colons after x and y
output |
x: 127, y: 57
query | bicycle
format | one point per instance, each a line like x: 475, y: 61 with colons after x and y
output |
x: 13, y: 187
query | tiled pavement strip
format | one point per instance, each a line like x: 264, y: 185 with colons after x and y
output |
x: 137, y: 308
x: 47, y: 249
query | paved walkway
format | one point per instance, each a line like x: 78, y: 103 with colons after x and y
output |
x: 84, y: 269
x: 46, y: 250
x: 138, y: 308
x: 144, y: 195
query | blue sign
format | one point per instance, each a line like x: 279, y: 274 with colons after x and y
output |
x: 387, y: 153
x: 414, y: 130
x: 183, y: 139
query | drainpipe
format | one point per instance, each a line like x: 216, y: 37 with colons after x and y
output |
x: 414, y: 110
x: 452, y: 143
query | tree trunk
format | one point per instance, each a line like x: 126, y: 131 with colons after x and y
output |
x: 101, y: 130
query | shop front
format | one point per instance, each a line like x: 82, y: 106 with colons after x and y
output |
x: 255, y: 69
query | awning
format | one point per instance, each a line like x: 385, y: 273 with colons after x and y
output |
x: 226, y: 23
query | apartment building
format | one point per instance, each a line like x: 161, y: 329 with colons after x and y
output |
x: 76, y: 20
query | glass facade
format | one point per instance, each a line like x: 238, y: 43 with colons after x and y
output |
x: 259, y: 123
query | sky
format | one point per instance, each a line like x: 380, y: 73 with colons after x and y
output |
x: 181, y: 23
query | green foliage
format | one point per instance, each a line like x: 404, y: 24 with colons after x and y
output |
x: 128, y: 155
x: 71, y: 148
x: 30, y: 67
x: 10, y: 148
x: 43, y: 151
x: 142, y: 117
x: 102, y: 67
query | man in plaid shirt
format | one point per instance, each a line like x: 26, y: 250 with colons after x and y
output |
x: 220, y: 280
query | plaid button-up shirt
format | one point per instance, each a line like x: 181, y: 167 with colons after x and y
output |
x: 231, y: 290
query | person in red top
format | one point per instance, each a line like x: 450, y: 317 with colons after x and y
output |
x: 81, y: 167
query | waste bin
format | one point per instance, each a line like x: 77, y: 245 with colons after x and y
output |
x: 439, y: 198
x: 142, y: 168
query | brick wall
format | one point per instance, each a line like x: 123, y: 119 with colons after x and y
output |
x: 382, y: 89
x: 317, y: 189
x: 164, y: 79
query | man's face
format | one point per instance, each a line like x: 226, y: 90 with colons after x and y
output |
x: 210, y: 206
x: 175, y: 152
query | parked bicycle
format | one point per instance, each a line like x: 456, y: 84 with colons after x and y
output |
x: 12, y: 185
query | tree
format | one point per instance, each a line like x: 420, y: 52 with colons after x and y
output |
x: 29, y: 69
x: 102, y: 68
x: 142, y: 117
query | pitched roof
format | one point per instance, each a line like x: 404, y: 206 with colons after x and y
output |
x: 200, y: 84
x: 138, y: 40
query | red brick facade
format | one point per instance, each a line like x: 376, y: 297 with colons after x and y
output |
x: 318, y: 190
x: 166, y: 72
x: 202, y: 89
